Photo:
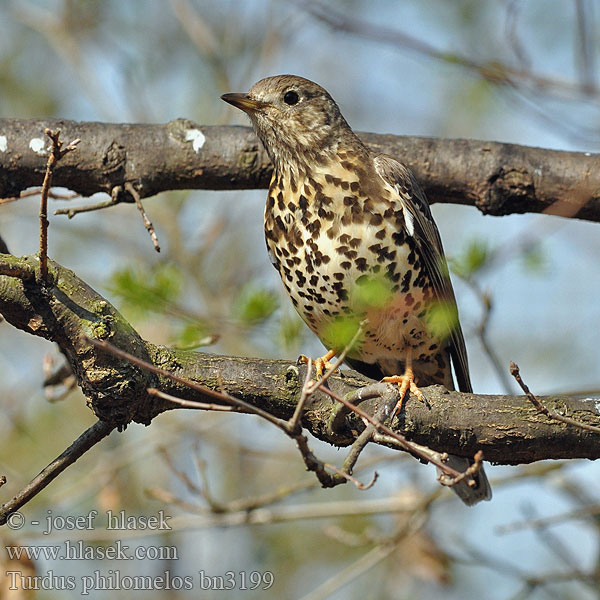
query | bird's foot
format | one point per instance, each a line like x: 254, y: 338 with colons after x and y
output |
x: 405, y: 383
x: 321, y: 364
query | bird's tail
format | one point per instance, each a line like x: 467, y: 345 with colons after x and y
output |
x: 469, y: 495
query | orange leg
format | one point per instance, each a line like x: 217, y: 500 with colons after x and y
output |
x: 321, y: 364
x: 405, y: 383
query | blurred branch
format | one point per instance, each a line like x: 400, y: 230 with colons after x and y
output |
x: 78, y: 448
x: 506, y: 428
x: 482, y: 331
x: 57, y: 152
x: 585, y: 46
x: 493, y: 71
x: 497, y: 178
x: 58, y: 28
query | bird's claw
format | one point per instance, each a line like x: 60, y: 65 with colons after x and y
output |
x: 322, y: 363
x: 406, y: 383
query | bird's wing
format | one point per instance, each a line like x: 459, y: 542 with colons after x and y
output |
x: 421, y: 226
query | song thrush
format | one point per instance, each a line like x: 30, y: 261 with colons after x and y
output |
x: 353, y: 238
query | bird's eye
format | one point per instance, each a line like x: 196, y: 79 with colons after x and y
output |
x: 291, y: 98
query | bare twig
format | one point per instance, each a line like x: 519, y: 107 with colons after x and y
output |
x: 494, y: 561
x: 248, y: 504
x: 552, y: 542
x: 514, y: 371
x: 20, y: 271
x: 404, y: 443
x: 191, y: 403
x: 468, y: 472
x: 75, y: 210
x: 147, y: 222
x: 543, y: 522
x: 215, y: 506
x: 80, y: 446
x: 36, y: 192
x: 356, y: 482
x: 356, y: 569
x: 373, y: 557
x: 295, y: 512
x: 181, y: 475
x: 513, y: 8
x: 305, y: 395
x: 483, y: 329
x: 56, y: 153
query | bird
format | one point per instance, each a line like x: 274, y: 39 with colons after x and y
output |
x: 352, y: 236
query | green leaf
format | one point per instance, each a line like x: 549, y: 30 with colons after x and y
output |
x: 535, y: 259
x: 373, y: 291
x: 338, y: 334
x: 254, y: 305
x: 290, y: 330
x: 146, y: 290
x: 473, y: 258
x: 441, y: 319
x: 194, y: 335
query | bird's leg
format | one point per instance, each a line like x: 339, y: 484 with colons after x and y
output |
x: 405, y: 383
x: 321, y: 364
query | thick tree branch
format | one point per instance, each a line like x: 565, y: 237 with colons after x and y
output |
x: 499, y: 179
x: 508, y: 429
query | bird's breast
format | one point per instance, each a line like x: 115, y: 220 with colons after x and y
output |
x: 344, y: 256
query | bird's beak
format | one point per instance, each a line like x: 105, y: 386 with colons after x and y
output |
x: 242, y: 101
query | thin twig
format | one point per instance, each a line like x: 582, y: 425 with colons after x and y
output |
x: 356, y: 482
x: 21, y: 271
x: 304, y: 396
x: 80, y: 446
x: 498, y: 563
x: 586, y: 53
x: 553, y: 543
x: 75, y: 210
x: 409, y: 446
x: 56, y: 153
x: 147, y: 222
x: 107, y: 347
x: 295, y: 512
x: 36, y: 192
x: 482, y: 331
x: 181, y: 475
x: 248, y: 504
x: 372, y: 558
x: 192, y: 403
x: 215, y: 505
x: 560, y: 519
x: 467, y: 473
x: 308, y: 389
x: 514, y: 371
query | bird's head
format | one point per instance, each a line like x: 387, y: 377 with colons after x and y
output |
x: 296, y: 119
